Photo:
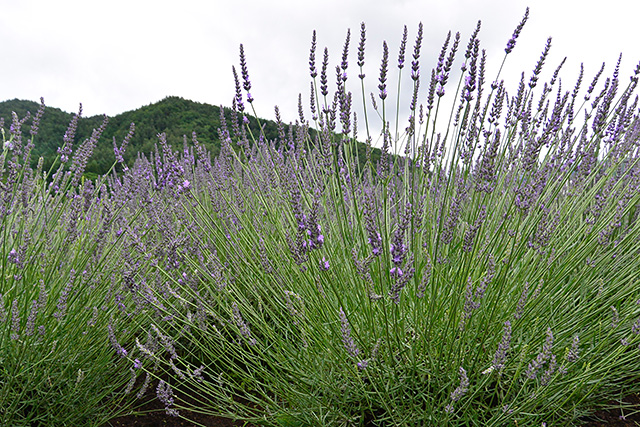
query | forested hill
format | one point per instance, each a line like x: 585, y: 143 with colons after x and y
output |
x: 173, y: 115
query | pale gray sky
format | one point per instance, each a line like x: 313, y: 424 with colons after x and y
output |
x: 119, y: 55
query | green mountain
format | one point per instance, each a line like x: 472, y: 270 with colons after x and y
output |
x: 174, y: 116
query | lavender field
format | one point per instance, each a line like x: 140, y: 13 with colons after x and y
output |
x: 483, y: 271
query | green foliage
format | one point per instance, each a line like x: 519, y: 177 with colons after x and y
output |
x: 175, y: 116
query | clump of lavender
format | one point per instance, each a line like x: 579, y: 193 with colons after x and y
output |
x: 58, y: 244
x: 429, y: 243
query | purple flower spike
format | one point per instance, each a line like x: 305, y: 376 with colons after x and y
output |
x: 512, y: 41
x: 347, y: 340
x: 324, y: 264
x: 383, y: 71
x: 403, y: 47
x: 312, y: 57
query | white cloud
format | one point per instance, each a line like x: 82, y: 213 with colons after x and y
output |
x: 119, y: 55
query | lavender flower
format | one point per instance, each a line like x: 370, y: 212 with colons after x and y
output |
x: 383, y: 71
x: 31, y: 319
x: 615, y: 317
x: 522, y: 302
x: 239, y: 104
x: 462, y: 389
x: 245, y: 75
x: 312, y: 57
x: 403, y: 47
x: 501, y: 354
x: 324, y: 90
x: 541, y: 358
x: 114, y: 342
x: 165, y: 395
x: 240, y: 323
x: 546, y: 376
x: 3, y: 311
x: 64, y: 296
x: 132, y: 381
x: 345, y: 53
x: 35, y: 124
x: 415, y: 65
x: 361, y: 50
x: 15, y: 320
x: 347, y: 340
x: 538, y: 69
x: 144, y: 387
x: 66, y: 149
x: 512, y: 41
x: 197, y: 374
x: 119, y: 152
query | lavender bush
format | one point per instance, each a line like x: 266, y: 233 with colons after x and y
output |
x: 481, y: 275
x: 483, y: 271
x: 63, y: 290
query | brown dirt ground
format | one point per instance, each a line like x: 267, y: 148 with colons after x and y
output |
x: 158, y: 418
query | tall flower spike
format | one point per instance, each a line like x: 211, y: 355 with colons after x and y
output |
x: 536, y: 71
x: 238, y: 98
x: 361, y: 49
x: 403, y: 48
x: 501, y: 354
x: 462, y: 389
x: 323, y: 74
x: 36, y: 120
x: 347, y: 339
x: 512, y: 41
x: 471, y: 44
x: 415, y: 64
x: 245, y: 75
x: 345, y: 54
x: 312, y: 56
x: 383, y: 70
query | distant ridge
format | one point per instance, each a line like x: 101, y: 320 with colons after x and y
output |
x: 172, y: 115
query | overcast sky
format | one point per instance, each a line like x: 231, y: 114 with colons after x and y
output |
x: 120, y: 55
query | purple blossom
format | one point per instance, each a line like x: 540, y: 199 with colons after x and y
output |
x: 383, y: 71
x: 241, y: 324
x: 312, y: 56
x: 121, y: 351
x: 347, y: 340
x: 324, y: 90
x: 415, y: 64
x: 245, y: 74
x: 35, y: 124
x: 15, y: 320
x: 345, y: 53
x: 31, y: 319
x: 119, y: 152
x: 538, y: 69
x: 541, y: 358
x: 462, y: 389
x: 144, y: 387
x: 66, y: 149
x: 165, y: 395
x: 522, y: 302
x: 64, y: 296
x: 512, y: 41
x: 403, y: 46
x: 503, y: 348
x: 361, y: 49
x: 132, y: 381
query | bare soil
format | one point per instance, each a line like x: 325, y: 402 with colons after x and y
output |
x: 158, y: 417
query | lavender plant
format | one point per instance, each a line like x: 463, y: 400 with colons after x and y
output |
x: 482, y: 272
x: 62, y: 324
